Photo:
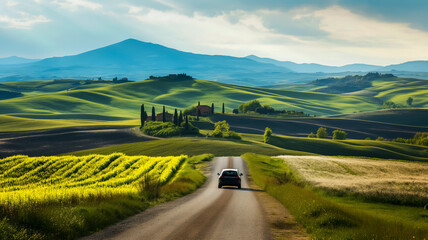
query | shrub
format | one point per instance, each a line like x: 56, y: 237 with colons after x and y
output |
x: 190, y: 111
x: 380, y: 139
x: 322, y: 133
x: 249, y: 106
x: 367, y: 138
x: 221, y: 130
x: 311, y: 135
x: 235, y: 111
x: 267, y: 135
x: 339, y: 135
x: 149, y: 187
x: 168, y: 129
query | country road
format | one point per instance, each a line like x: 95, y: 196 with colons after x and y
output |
x: 209, y: 213
x: 63, y: 140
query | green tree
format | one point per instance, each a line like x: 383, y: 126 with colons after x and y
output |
x: 186, y: 124
x: 198, y: 115
x: 339, y: 135
x: 267, y: 135
x: 311, y: 135
x: 143, y: 115
x: 221, y: 128
x: 409, y: 101
x: 175, y: 117
x: 249, y: 106
x: 222, y: 109
x: 212, y: 109
x: 322, y: 133
x: 153, y: 114
x: 180, y: 118
x: 163, y: 115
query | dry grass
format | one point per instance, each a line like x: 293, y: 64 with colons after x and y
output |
x: 377, y: 180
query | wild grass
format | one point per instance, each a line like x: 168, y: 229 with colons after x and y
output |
x: 402, y: 183
x: 356, y: 148
x: 71, y: 216
x: 191, y: 146
x: 324, y: 218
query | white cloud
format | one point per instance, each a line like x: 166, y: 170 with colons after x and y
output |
x: 76, y: 4
x: 24, y: 21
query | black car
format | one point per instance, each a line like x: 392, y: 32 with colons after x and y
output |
x: 229, y: 177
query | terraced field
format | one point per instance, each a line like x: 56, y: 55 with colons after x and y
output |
x: 70, y: 179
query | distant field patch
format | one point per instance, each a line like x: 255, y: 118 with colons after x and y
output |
x: 69, y: 179
x: 384, y: 181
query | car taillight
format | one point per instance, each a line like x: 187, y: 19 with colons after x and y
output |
x: 221, y: 177
x: 237, y: 177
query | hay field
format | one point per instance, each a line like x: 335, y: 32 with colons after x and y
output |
x: 377, y: 180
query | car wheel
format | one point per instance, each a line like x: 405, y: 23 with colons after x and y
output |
x: 239, y: 186
x: 219, y: 186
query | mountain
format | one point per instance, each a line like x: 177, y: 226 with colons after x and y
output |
x: 412, y: 66
x: 314, y: 67
x: 16, y: 60
x: 138, y: 60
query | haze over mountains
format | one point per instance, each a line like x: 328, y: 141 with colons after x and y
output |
x: 138, y: 60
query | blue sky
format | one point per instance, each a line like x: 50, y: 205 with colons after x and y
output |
x: 333, y: 32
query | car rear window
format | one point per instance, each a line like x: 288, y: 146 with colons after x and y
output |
x: 230, y: 173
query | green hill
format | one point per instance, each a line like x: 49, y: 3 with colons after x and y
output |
x: 123, y: 100
x: 406, y: 116
x: 380, y: 87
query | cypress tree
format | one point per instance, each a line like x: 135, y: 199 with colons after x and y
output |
x: 212, y: 109
x: 153, y: 114
x: 199, y: 103
x: 143, y: 115
x: 199, y: 114
x: 163, y: 115
x: 175, y: 117
x: 222, y: 109
x: 180, y: 118
x: 186, y: 125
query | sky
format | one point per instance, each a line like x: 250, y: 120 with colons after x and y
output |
x: 331, y: 32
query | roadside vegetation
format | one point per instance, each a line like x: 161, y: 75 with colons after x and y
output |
x: 325, y: 218
x: 67, y: 196
x: 255, y: 107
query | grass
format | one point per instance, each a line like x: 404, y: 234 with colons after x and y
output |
x: 408, y: 116
x: 360, y: 148
x: 402, y: 183
x: 10, y: 124
x: 72, y: 219
x: 191, y: 146
x: 325, y: 218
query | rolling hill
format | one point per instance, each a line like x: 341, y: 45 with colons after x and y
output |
x: 384, y: 87
x: 122, y: 101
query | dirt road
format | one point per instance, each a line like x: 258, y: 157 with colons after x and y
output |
x: 58, y: 141
x: 209, y: 213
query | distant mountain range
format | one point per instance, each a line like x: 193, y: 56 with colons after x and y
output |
x: 16, y: 60
x: 138, y: 60
x: 412, y: 66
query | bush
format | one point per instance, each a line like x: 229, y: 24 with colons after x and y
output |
x: 311, y: 135
x: 381, y: 139
x: 149, y: 187
x: 168, y: 129
x: 367, y: 138
x: 221, y: 130
x: 235, y: 111
x: 190, y: 111
x: 249, y: 106
x: 322, y: 133
x: 339, y: 135
x: 267, y: 135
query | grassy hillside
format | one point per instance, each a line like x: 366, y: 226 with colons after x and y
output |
x: 191, y: 146
x: 383, y: 88
x: 124, y: 100
x: 363, y: 148
x: 407, y: 116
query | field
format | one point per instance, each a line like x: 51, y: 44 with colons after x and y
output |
x: 397, y: 182
x: 397, y: 90
x: 339, y: 217
x: 120, y: 102
x: 191, y: 146
x: 362, y: 148
x: 412, y: 116
x: 63, y: 197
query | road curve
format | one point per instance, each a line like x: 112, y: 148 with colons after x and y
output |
x: 209, y: 213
